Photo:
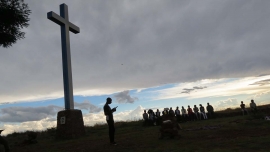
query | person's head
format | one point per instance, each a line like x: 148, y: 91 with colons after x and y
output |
x: 144, y: 111
x: 109, y: 100
x: 188, y: 106
x: 157, y: 110
x: 207, y: 103
x: 241, y: 101
x: 200, y: 105
x: 194, y: 105
x: 171, y: 108
x: 252, y: 101
x: 177, y: 107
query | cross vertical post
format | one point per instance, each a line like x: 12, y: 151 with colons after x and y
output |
x: 66, y: 26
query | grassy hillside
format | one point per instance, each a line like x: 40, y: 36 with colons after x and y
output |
x: 224, y: 133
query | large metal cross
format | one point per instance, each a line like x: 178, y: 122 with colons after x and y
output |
x: 66, y: 26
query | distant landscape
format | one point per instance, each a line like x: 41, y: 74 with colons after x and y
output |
x: 229, y: 131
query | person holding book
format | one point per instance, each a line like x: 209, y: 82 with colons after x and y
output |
x: 109, y: 118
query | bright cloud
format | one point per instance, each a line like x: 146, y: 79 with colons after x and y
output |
x: 227, y: 103
x: 215, y: 88
x: 90, y: 119
x: 27, y: 126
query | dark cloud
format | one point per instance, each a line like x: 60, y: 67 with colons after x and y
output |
x: 22, y: 114
x: 124, y: 97
x: 262, y: 82
x: 137, y: 44
x: 186, y: 90
x: 261, y: 75
x: 87, y: 105
x: 200, y: 87
x: 7, y: 103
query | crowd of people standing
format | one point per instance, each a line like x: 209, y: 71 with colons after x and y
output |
x: 182, y: 115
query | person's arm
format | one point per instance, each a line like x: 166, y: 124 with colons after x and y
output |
x: 108, y: 110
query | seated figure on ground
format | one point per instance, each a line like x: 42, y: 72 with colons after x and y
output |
x: 203, y: 114
x: 210, y: 110
x: 243, y: 108
x: 169, y: 126
x: 253, y: 107
x: 145, y: 117
x: 196, y: 112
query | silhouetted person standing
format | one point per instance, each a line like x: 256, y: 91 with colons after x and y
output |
x: 184, y: 114
x: 109, y: 118
x: 190, y: 113
x: 196, y: 112
x: 243, y: 108
x: 158, y: 118
x: 253, y: 107
x: 177, y: 113
x: 210, y: 110
x: 203, y: 114
x: 171, y: 112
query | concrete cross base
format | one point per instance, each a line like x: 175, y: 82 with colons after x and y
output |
x: 70, y: 124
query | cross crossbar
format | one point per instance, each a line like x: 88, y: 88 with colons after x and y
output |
x: 61, y: 21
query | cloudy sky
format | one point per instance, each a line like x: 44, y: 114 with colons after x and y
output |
x: 143, y: 54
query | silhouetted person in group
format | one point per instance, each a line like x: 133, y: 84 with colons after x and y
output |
x: 151, y: 117
x: 253, y: 107
x: 145, y: 118
x: 196, y: 112
x: 177, y: 114
x: 109, y: 118
x: 158, y: 117
x: 190, y: 113
x: 210, y: 111
x: 243, y: 108
x: 171, y: 112
x: 184, y: 114
x: 4, y: 142
x: 165, y: 111
x: 157, y: 113
x: 203, y: 114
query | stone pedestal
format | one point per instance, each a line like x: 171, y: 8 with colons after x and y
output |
x: 70, y: 124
